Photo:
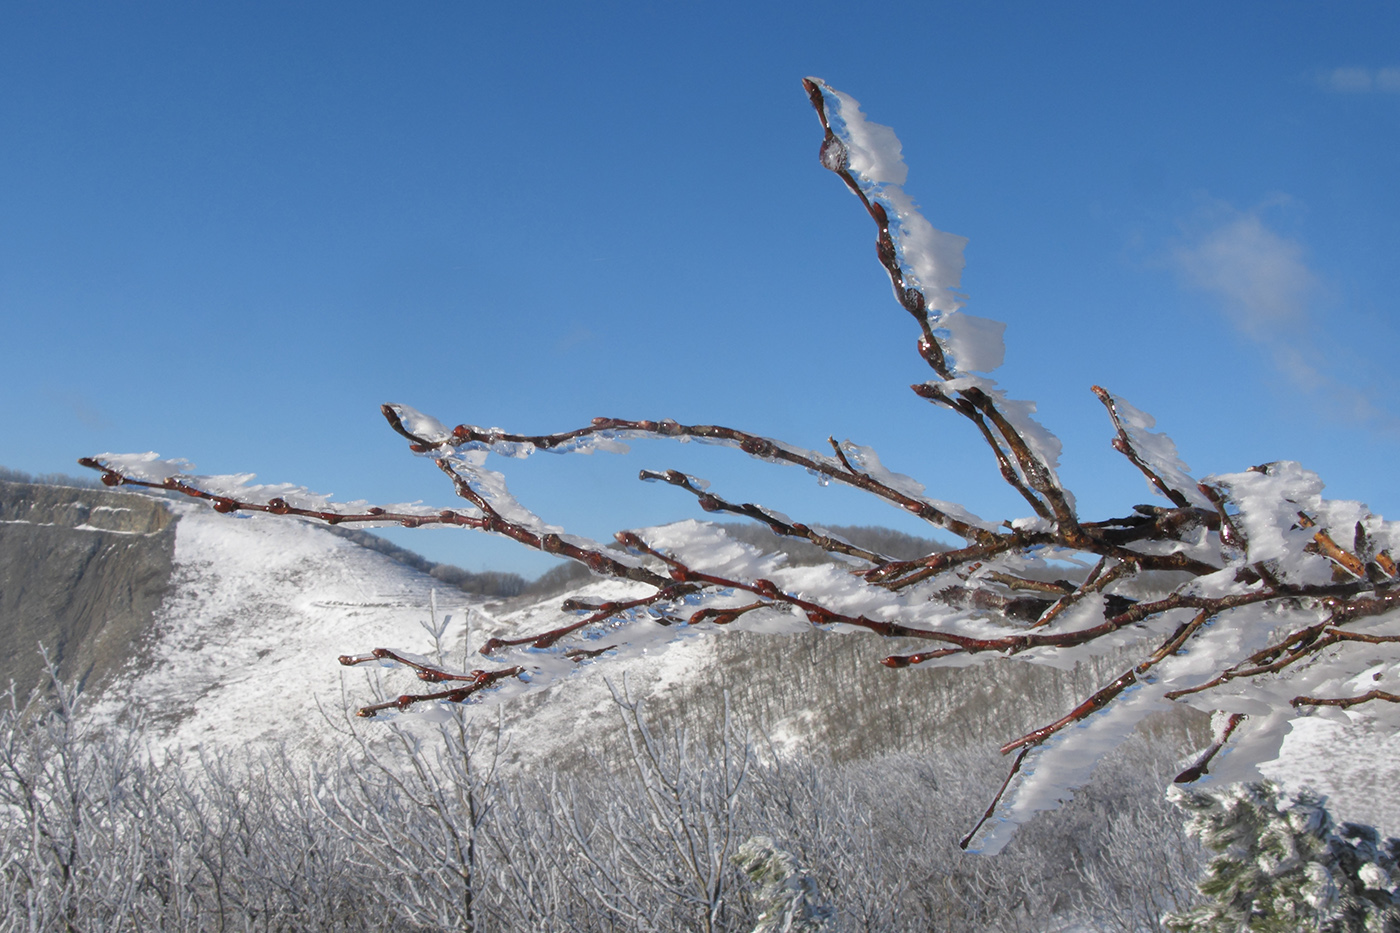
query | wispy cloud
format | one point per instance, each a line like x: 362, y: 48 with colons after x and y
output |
x: 1269, y: 292
x: 570, y: 341
x: 1261, y: 277
x: 1354, y: 80
x: 80, y: 407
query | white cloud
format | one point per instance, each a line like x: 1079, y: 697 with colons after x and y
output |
x: 1268, y: 291
x: 1354, y: 80
x: 1261, y: 278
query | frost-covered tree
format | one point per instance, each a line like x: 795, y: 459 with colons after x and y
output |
x: 1245, y: 593
x: 402, y: 828
x: 1283, y: 866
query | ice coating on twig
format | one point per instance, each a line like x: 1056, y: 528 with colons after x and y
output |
x: 425, y: 426
x: 1049, y: 772
x: 1041, y: 440
x: 705, y: 546
x: 1052, y: 770
x: 1156, y: 449
x: 491, y: 486
x: 925, y: 267
x: 1268, y: 501
x: 867, y: 461
x: 933, y: 259
x: 976, y: 343
x: 150, y: 468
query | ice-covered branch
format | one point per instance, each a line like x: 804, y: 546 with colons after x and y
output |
x: 925, y: 266
x: 1248, y: 595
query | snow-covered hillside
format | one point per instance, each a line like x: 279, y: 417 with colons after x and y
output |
x: 245, y: 646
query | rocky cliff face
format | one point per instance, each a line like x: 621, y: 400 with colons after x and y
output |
x: 82, y: 572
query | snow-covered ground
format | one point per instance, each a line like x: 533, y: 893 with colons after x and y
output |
x: 245, y: 647
x: 1357, y: 768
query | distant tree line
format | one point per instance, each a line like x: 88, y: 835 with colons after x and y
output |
x: 8, y: 475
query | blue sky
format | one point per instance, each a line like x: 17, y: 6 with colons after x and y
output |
x: 229, y: 232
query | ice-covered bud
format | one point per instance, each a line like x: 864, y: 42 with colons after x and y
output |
x: 913, y: 301
x: 225, y: 506
x: 757, y: 446
x: 884, y: 248
x: 834, y: 155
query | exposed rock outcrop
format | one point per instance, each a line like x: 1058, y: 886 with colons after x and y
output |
x: 81, y: 572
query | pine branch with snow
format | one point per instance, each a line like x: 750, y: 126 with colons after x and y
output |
x: 1283, y: 866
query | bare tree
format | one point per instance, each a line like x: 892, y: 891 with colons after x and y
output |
x: 1246, y: 594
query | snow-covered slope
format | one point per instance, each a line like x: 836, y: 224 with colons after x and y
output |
x: 245, y: 646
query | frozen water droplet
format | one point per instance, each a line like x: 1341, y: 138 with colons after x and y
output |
x: 833, y: 154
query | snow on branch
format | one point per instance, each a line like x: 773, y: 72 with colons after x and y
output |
x: 1247, y: 594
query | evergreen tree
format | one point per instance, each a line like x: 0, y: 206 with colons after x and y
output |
x: 788, y: 895
x: 1282, y: 866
